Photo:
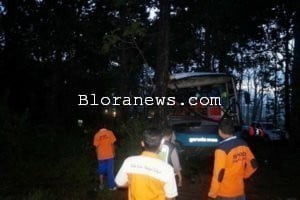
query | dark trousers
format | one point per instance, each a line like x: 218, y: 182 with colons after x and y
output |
x: 232, y: 198
x: 106, y: 167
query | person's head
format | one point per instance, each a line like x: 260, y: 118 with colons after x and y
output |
x: 103, y: 124
x: 151, y: 139
x: 226, y: 128
x: 167, y: 133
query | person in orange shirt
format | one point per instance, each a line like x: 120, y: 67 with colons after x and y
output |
x: 233, y: 163
x: 148, y: 177
x: 104, y: 141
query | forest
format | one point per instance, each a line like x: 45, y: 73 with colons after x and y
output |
x: 53, y: 51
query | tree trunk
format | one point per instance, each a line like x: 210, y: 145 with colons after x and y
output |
x: 261, y: 100
x: 124, y: 80
x: 213, y: 67
x: 248, y: 105
x: 9, y: 57
x: 240, y: 67
x: 287, y: 81
x: 254, y: 108
x: 53, y: 100
x: 275, y: 97
x: 295, y: 129
x: 222, y: 62
x: 162, y: 67
x: 207, y: 56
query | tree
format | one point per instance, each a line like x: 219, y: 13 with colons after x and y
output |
x: 295, y: 80
x: 162, y: 66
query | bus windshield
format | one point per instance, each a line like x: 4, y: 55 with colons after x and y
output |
x: 201, y: 86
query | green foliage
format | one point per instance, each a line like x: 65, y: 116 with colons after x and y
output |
x: 60, y: 48
x: 110, y: 41
x: 52, y: 50
x: 118, y: 38
x: 43, y: 163
x: 40, y: 195
x: 133, y: 30
x: 131, y: 136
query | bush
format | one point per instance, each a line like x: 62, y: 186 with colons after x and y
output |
x: 129, y: 135
x: 44, y: 162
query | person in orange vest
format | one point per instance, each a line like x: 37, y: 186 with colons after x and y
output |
x: 233, y: 163
x: 146, y: 176
x: 103, y: 142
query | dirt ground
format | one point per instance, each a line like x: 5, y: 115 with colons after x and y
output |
x: 276, y: 178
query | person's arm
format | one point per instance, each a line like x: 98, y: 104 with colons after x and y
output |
x: 113, y: 137
x: 179, y: 178
x: 122, y: 176
x: 95, y: 140
x: 218, y: 172
x: 176, y: 165
x: 250, y: 165
x: 170, y: 186
x: 113, y: 140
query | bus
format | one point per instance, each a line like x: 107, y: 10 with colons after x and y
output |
x: 195, y: 124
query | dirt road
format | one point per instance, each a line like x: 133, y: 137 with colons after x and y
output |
x: 276, y: 178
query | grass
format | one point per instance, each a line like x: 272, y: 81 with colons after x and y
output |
x: 38, y: 162
x: 46, y: 163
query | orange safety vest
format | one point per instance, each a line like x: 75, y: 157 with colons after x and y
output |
x: 234, y: 162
